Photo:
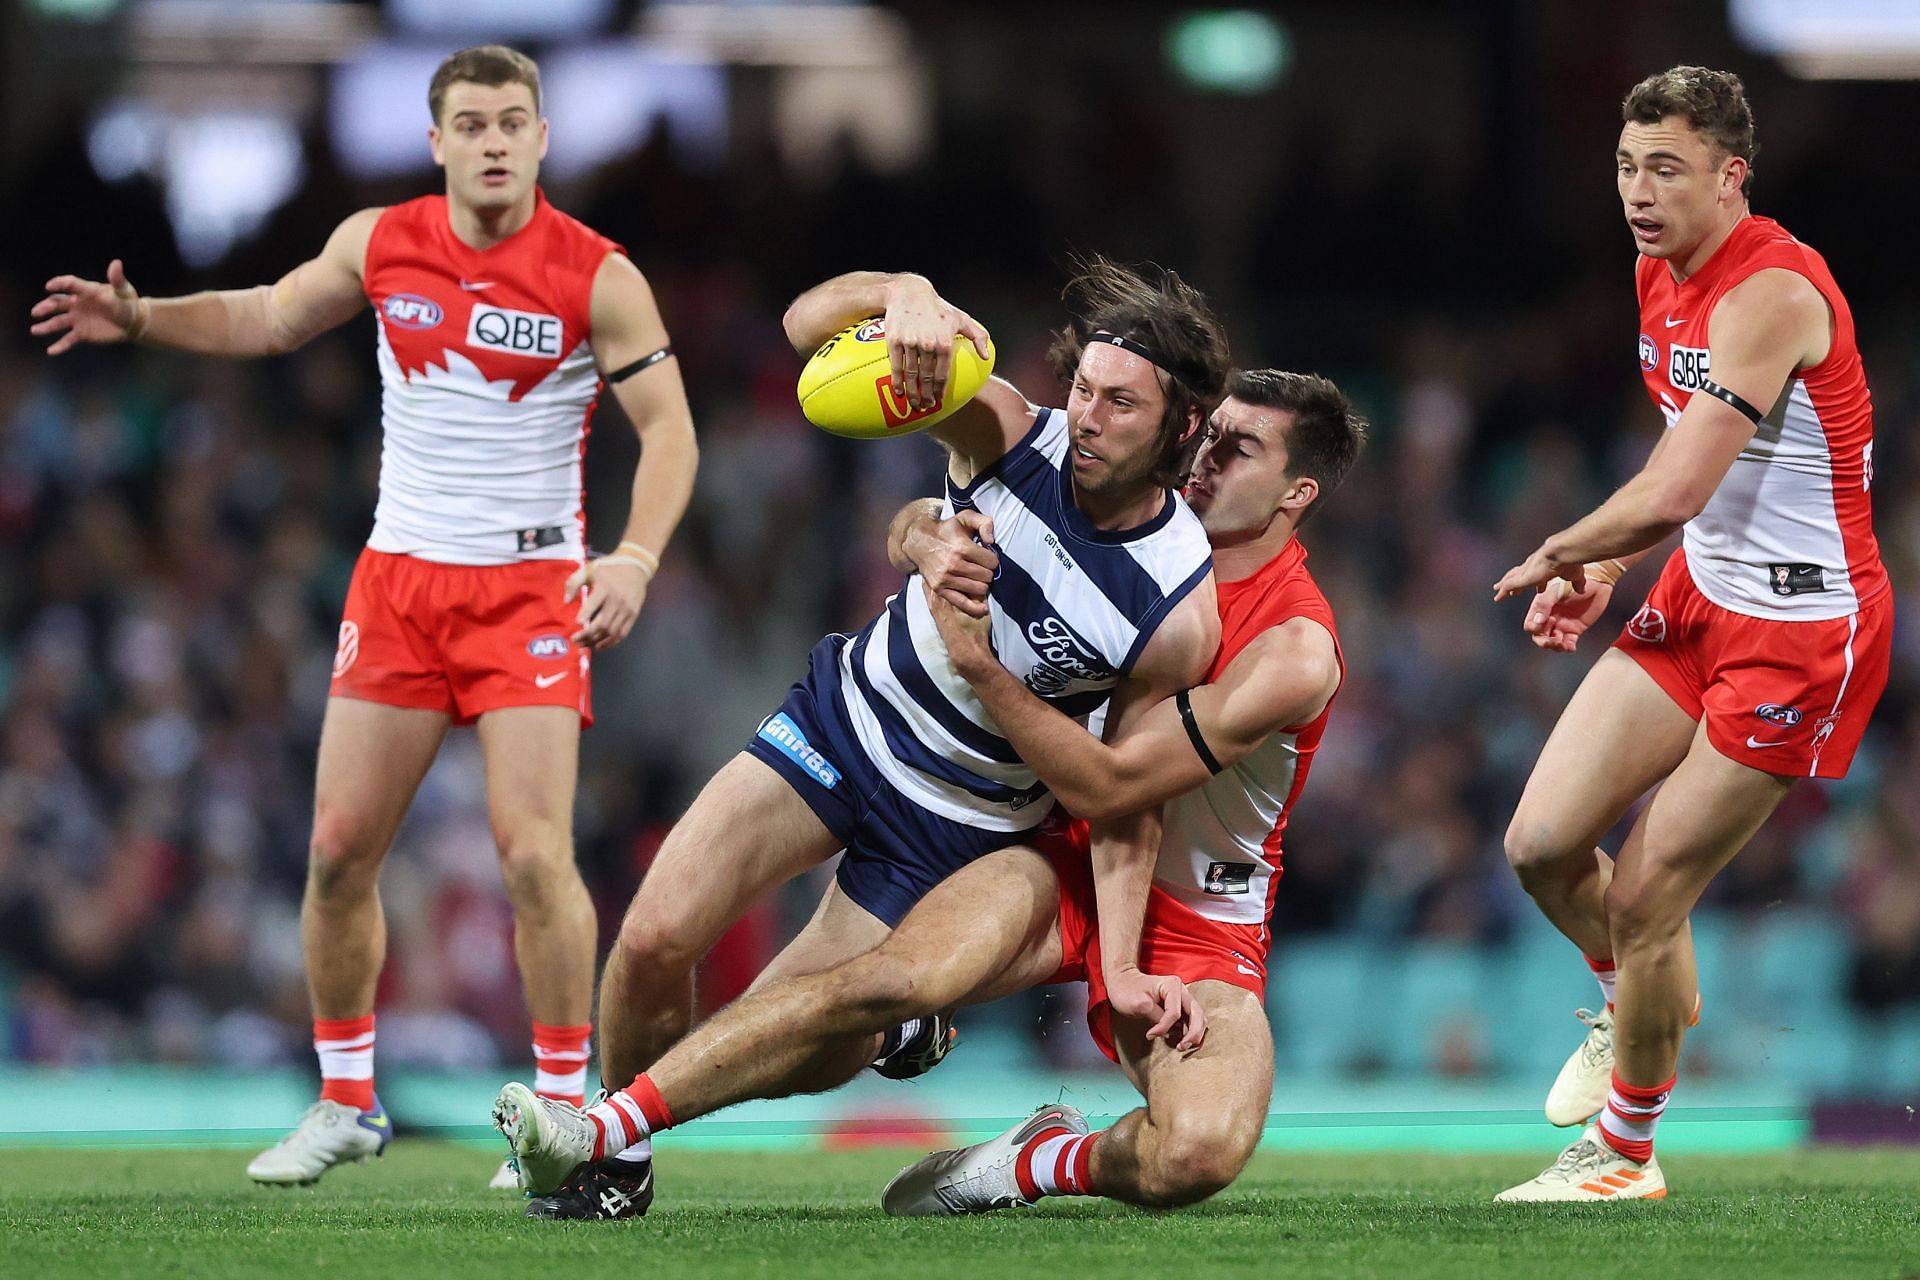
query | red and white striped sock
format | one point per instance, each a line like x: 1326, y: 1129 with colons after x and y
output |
x: 560, y: 1061
x: 345, y: 1046
x: 1633, y: 1111
x: 628, y: 1116
x: 1056, y: 1162
x: 1603, y: 972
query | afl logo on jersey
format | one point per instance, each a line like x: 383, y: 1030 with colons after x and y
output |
x: 1649, y: 353
x: 871, y: 331
x: 1775, y: 714
x: 411, y: 311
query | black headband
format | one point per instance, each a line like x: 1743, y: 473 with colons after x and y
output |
x: 1146, y: 353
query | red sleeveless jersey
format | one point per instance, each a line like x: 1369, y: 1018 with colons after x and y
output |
x: 1789, y: 532
x: 487, y: 383
x: 1220, y: 851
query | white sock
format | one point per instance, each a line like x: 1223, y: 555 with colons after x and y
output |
x: 1046, y: 1158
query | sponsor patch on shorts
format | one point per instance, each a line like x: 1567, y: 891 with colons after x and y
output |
x: 786, y: 738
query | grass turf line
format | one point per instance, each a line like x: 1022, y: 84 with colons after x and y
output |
x: 424, y: 1206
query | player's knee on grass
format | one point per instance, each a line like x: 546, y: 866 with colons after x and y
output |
x: 1198, y: 1154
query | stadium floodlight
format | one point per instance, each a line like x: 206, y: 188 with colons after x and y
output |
x: 1239, y: 51
x: 1833, y: 39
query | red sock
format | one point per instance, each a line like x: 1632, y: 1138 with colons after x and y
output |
x: 560, y: 1061
x: 345, y: 1046
x: 628, y: 1116
x: 1056, y: 1162
x: 1603, y: 972
x: 1632, y: 1113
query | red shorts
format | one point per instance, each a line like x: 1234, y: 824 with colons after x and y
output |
x: 1788, y: 698
x: 463, y: 639
x: 1174, y: 938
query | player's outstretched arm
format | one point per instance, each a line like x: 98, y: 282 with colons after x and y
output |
x: 630, y: 344
x: 921, y: 330
x: 1765, y: 328
x: 265, y: 320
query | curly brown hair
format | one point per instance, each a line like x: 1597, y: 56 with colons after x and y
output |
x: 1157, y: 309
x: 1713, y: 103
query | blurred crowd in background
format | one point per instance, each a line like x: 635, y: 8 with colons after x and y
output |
x: 180, y: 534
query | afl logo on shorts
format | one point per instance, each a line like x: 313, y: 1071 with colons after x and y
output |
x: 548, y: 646
x: 871, y: 331
x: 411, y: 311
x: 1649, y: 353
x: 1775, y: 714
x: 1649, y: 626
x: 348, y: 649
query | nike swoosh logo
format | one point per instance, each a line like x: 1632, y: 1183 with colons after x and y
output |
x: 1670, y: 320
x: 1755, y: 743
x: 475, y: 286
x: 547, y: 682
x: 1251, y: 973
x: 381, y: 1123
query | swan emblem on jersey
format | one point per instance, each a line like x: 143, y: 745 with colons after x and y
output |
x: 1063, y: 658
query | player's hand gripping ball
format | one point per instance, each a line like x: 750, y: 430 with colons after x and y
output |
x: 847, y: 386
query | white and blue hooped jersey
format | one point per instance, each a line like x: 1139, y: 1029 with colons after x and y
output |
x: 1071, y: 608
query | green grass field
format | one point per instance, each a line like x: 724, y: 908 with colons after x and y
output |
x: 423, y: 1211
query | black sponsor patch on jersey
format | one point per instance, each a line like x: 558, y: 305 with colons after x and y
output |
x: 1792, y: 579
x: 1225, y: 878
x: 534, y: 539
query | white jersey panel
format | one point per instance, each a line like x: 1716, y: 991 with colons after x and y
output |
x: 1213, y: 851
x: 1773, y: 516
x: 463, y: 468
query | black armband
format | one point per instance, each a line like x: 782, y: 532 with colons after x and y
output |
x: 1207, y: 758
x: 626, y: 371
x: 1719, y: 392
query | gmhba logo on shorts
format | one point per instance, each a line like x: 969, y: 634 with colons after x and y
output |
x: 514, y: 333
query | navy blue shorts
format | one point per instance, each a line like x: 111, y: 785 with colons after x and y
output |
x: 896, y: 850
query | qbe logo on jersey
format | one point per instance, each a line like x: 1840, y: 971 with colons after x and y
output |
x: 514, y: 333
x: 1687, y: 367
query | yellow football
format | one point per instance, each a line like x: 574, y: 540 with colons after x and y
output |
x: 847, y: 386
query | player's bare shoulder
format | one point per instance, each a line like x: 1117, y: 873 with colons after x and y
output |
x: 1183, y: 646
x: 346, y: 248
x: 1777, y: 309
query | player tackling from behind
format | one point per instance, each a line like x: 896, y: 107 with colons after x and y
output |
x: 1228, y: 759
x: 1762, y: 648
x: 1105, y: 599
x: 499, y: 319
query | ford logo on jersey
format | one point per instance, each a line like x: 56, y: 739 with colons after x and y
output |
x: 1775, y: 714
x: 411, y: 311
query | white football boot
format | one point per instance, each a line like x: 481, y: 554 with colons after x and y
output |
x: 330, y: 1133
x: 1580, y: 1090
x: 974, y: 1179
x: 506, y: 1177
x: 1591, y: 1172
x: 550, y: 1138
